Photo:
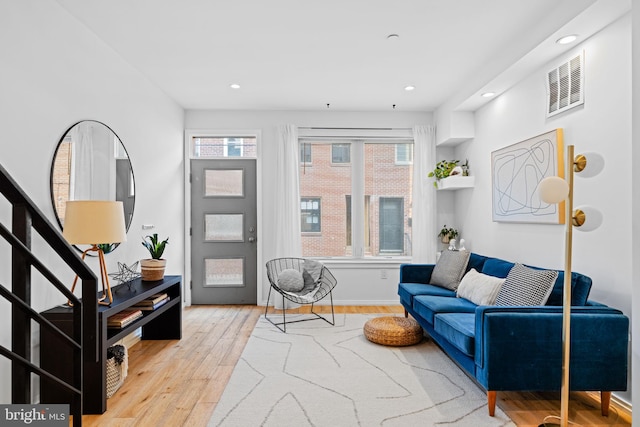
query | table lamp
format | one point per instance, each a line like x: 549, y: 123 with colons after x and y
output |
x: 95, y: 222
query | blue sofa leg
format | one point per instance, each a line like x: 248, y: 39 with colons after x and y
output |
x: 605, y: 400
x: 406, y: 313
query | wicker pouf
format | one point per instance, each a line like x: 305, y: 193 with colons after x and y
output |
x: 392, y: 330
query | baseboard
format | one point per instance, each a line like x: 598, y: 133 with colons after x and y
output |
x: 327, y: 301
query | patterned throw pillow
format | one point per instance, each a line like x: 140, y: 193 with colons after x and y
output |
x: 450, y: 268
x: 480, y: 289
x: 290, y: 280
x: 526, y: 286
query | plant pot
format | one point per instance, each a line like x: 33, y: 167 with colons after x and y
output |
x: 445, y: 239
x: 152, y: 269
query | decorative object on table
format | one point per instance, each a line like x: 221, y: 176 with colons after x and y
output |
x: 517, y: 170
x: 95, y: 222
x: 126, y: 273
x: 555, y: 190
x: 452, y: 245
x: 443, y: 169
x: 117, y: 367
x: 153, y: 269
x: 461, y: 247
x: 447, y: 234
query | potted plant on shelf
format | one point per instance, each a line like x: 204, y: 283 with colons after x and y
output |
x: 447, y: 234
x: 443, y: 169
x: 153, y: 269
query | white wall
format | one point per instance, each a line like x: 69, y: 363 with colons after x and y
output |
x: 54, y: 73
x: 635, y: 209
x: 602, y: 125
x: 356, y: 284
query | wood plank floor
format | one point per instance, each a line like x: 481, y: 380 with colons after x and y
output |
x: 178, y: 383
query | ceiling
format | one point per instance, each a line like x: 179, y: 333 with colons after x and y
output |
x: 313, y: 55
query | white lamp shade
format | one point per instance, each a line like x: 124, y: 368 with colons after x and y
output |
x: 94, y: 222
x: 553, y: 189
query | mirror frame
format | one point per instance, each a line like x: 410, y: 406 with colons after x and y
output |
x: 129, y: 220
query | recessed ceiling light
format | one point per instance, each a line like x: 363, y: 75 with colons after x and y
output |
x: 409, y: 88
x: 234, y: 86
x: 488, y: 94
x: 393, y: 37
x: 567, y: 39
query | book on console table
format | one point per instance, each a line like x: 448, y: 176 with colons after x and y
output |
x: 145, y: 306
x: 124, y: 318
x: 153, y: 299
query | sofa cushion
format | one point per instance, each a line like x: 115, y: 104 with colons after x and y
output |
x: 480, y: 289
x: 497, y: 267
x: 580, y: 288
x: 526, y: 286
x: 427, y: 306
x: 476, y: 261
x: 459, y: 329
x: 450, y: 268
x: 409, y: 290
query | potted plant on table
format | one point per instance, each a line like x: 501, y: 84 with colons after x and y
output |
x: 447, y: 234
x: 153, y: 269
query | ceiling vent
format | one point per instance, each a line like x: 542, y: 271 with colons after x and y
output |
x: 565, y: 86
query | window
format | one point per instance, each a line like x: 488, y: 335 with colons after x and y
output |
x: 404, y: 154
x: 223, y: 146
x: 310, y: 214
x: 305, y: 153
x: 366, y: 203
x: 340, y: 153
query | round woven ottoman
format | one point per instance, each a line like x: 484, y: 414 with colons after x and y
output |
x: 393, y: 330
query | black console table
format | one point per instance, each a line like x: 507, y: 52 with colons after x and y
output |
x: 163, y: 323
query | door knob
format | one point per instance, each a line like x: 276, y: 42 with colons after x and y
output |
x: 252, y: 239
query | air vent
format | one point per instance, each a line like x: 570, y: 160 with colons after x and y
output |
x: 565, y: 86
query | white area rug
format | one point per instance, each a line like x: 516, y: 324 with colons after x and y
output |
x: 322, y: 375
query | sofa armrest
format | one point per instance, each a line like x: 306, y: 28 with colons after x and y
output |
x: 416, y: 273
x: 520, y: 348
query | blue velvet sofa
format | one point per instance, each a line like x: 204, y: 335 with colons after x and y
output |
x: 519, y: 348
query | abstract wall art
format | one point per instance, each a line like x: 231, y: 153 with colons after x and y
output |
x: 516, y: 172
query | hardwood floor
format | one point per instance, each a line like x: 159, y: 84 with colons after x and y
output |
x: 178, y: 383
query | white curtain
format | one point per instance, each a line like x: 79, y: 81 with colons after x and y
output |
x: 424, y: 226
x: 288, y: 238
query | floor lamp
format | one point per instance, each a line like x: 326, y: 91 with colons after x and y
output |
x: 556, y: 190
x: 93, y: 222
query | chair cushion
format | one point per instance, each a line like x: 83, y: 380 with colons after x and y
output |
x: 480, y: 289
x: 459, y: 329
x: 290, y: 280
x: 427, y: 306
x: 450, y: 268
x: 526, y: 286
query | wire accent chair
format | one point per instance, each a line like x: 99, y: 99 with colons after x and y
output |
x: 322, y: 287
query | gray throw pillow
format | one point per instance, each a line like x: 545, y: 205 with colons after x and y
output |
x: 449, y: 269
x: 290, y: 280
x: 526, y: 286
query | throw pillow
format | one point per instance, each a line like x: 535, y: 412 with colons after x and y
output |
x: 449, y: 269
x: 309, y: 283
x: 480, y: 289
x: 526, y: 286
x: 290, y: 280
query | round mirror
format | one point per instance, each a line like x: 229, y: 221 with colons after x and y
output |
x: 91, y: 163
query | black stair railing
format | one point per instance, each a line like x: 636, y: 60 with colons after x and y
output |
x: 25, y: 218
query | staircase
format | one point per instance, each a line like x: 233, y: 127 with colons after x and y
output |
x: 26, y: 218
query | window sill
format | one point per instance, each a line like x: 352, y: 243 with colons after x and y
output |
x: 363, y: 263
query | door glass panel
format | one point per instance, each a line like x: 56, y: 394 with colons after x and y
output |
x: 224, y: 227
x: 223, y: 182
x: 224, y: 272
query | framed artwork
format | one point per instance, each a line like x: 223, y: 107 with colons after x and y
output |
x: 516, y: 172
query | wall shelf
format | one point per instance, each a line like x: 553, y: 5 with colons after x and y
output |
x: 456, y: 182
